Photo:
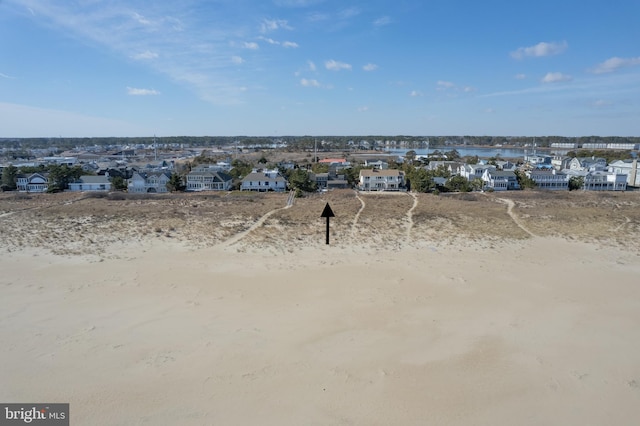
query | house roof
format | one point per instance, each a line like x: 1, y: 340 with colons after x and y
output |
x: 376, y: 172
x: 217, y: 176
x: 263, y: 177
x: 93, y: 179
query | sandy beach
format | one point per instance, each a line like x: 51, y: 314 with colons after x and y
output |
x: 436, y: 315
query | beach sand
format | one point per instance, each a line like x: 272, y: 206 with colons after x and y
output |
x: 530, y: 330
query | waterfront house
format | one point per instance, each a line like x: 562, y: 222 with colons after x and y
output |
x: 33, y: 182
x: 499, y: 180
x: 262, y: 181
x: 549, y: 179
x: 91, y: 183
x: 149, y: 182
x: 208, y: 179
x: 381, y: 180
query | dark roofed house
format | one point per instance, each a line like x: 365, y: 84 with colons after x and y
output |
x: 208, y: 180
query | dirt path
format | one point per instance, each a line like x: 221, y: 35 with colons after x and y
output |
x: 515, y: 218
x: 410, y: 215
x: 357, y: 217
x: 231, y: 241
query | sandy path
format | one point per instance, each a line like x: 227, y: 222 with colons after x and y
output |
x: 513, y: 216
x: 410, y: 215
x: 231, y: 241
x: 357, y: 216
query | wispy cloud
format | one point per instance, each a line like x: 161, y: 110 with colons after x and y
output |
x: 311, y: 65
x: 141, y: 92
x: 442, y: 85
x: 237, y: 60
x: 520, y: 76
x: 145, y: 55
x: 415, y: 93
x: 556, y: 77
x: 614, y: 64
x: 336, y: 66
x: 309, y: 82
x: 363, y: 109
x: 6, y: 76
x: 370, y: 67
x: 382, y: 21
x: 250, y: 45
x: 540, y: 49
x: 269, y: 25
x: 285, y: 44
x: 195, y: 58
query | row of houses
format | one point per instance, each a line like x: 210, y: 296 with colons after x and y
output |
x: 595, y: 174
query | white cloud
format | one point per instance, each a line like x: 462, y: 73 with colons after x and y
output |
x: 336, y: 66
x: 468, y: 89
x: 145, y: 55
x: 540, y: 49
x: 415, y: 93
x: 384, y: 20
x: 290, y: 44
x: 445, y: 85
x: 237, y: 60
x: 312, y: 66
x: 489, y: 111
x: 269, y: 25
x: 556, y: 77
x: 141, y: 92
x: 370, y: 67
x: 363, y: 109
x: 309, y: 83
x: 141, y: 19
x: 250, y: 45
x: 615, y: 63
x: 520, y: 76
x: 6, y: 76
x: 269, y: 40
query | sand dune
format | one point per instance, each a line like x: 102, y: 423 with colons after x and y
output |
x: 399, y: 322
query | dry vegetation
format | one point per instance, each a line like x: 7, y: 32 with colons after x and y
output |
x: 93, y: 223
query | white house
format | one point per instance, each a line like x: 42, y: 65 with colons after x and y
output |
x: 626, y: 167
x: 474, y: 171
x: 381, y: 180
x: 208, y: 180
x: 34, y: 182
x: 605, y: 181
x: 150, y: 182
x: 590, y: 164
x: 500, y: 180
x: 266, y: 180
x: 91, y: 183
x: 549, y: 179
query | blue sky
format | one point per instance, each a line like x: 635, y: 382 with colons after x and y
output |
x: 90, y: 68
